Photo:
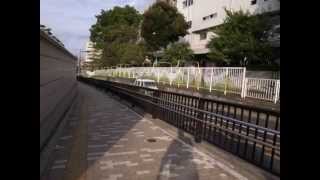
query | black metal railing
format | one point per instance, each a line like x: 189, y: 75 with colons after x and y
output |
x: 249, y: 132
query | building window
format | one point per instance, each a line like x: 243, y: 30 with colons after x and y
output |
x: 203, y: 35
x: 187, y: 3
x: 211, y: 16
x: 253, y: 2
x: 184, y: 4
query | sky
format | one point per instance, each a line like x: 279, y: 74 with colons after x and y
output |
x: 70, y: 20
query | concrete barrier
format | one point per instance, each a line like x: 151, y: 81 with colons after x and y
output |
x: 58, y: 91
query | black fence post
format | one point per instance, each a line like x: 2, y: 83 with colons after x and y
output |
x: 156, y: 95
x: 199, y: 124
x: 132, y: 102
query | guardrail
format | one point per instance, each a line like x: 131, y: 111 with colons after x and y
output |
x: 223, y: 79
x: 249, y: 132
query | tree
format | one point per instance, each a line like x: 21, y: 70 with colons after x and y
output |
x: 132, y: 53
x: 178, y: 52
x: 115, y: 32
x: 161, y: 25
x: 242, y: 37
x: 119, y: 23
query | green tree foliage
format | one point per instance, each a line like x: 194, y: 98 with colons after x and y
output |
x: 241, y: 36
x: 120, y: 23
x: 121, y: 53
x: 161, y: 25
x: 115, y: 32
x: 132, y: 53
x: 178, y: 52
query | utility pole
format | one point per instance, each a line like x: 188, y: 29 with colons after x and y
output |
x: 79, y: 63
x: 81, y: 51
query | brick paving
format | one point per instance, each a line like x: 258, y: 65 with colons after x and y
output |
x: 118, y: 144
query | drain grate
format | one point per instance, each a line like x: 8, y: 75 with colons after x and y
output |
x: 151, y: 140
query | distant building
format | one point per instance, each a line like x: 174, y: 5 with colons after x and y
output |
x: 91, y: 52
x: 202, y: 15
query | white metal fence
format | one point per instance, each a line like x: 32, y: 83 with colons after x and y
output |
x: 266, y: 89
x: 223, y: 79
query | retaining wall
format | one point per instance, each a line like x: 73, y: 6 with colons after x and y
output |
x: 58, y: 90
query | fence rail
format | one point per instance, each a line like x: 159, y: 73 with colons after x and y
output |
x: 222, y: 79
x: 249, y: 132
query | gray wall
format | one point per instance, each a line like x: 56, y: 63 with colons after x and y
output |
x: 58, y: 86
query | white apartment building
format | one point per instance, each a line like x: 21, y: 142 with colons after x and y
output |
x: 91, y: 52
x: 205, y: 14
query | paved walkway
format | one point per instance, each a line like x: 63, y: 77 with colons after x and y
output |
x: 104, y: 140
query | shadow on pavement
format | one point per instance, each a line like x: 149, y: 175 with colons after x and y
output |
x: 177, y: 162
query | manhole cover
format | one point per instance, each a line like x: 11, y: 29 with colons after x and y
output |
x: 151, y: 140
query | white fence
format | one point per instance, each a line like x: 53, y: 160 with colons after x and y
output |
x: 266, y: 89
x: 223, y: 79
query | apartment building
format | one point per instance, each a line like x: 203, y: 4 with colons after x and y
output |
x: 91, y: 52
x: 204, y: 14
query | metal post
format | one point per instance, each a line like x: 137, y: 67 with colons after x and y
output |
x: 171, y: 75
x: 158, y: 74
x: 182, y: 76
x: 243, y: 86
x: 225, y: 82
x: 79, y: 63
x: 211, y: 79
x: 156, y: 94
x: 188, y: 78
x: 199, y: 124
x: 277, y: 89
x: 178, y: 77
x: 200, y: 75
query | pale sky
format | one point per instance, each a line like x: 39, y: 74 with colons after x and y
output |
x: 70, y: 20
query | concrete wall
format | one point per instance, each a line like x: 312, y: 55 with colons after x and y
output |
x: 58, y: 85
